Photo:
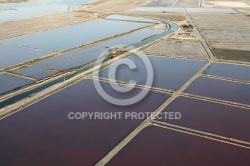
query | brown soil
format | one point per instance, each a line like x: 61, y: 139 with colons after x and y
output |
x: 228, y: 54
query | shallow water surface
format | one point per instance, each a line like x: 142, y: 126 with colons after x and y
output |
x: 219, y: 89
x: 214, y: 118
x: 9, y: 83
x: 130, y: 18
x: 210, y: 10
x: 229, y: 70
x: 42, y: 134
x: 75, y: 35
x: 83, y: 56
x: 10, y: 56
x: 21, y: 4
x: 30, y: 11
x: 68, y: 2
x: 168, y: 73
x: 161, y: 147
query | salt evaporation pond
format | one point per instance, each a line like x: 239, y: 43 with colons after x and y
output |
x: 131, y: 18
x: 169, y: 73
x: 42, y: 134
x: 234, y: 71
x: 75, y: 35
x: 14, y: 55
x: 161, y: 147
x: 83, y: 56
x: 220, y: 89
x: 30, y: 11
x: 9, y: 83
x: 210, y: 117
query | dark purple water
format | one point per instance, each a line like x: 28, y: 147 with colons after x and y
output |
x: 42, y: 134
x: 228, y: 70
x: 9, y: 83
x: 169, y: 73
x: 220, y: 89
x: 211, y: 117
x: 161, y: 147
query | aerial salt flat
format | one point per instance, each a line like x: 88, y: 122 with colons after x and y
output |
x: 114, y: 82
x: 44, y: 68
